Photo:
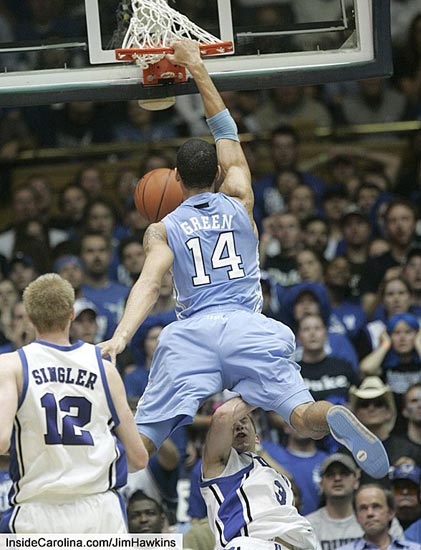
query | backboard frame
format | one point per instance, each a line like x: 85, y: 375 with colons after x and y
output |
x: 120, y: 83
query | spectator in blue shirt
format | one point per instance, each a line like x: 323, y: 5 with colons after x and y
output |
x: 108, y: 296
x: 413, y: 533
x: 374, y: 510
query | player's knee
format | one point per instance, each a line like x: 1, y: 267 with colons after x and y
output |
x: 149, y: 445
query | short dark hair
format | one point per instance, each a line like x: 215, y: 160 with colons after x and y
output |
x: 285, y: 130
x: 312, y: 219
x: 131, y: 239
x: 307, y: 316
x: 89, y: 234
x: 63, y: 191
x: 400, y: 201
x: 412, y: 253
x: 197, y: 163
x: 140, y: 495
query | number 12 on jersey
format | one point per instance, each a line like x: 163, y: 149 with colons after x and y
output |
x: 224, y: 255
x: 69, y: 431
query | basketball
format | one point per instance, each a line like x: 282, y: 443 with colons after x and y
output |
x: 157, y: 194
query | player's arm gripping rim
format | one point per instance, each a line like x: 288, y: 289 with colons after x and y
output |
x: 159, y: 257
x: 218, y: 442
x: 235, y: 171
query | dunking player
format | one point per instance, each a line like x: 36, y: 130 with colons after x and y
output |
x: 59, y: 406
x: 221, y: 340
x: 250, y: 505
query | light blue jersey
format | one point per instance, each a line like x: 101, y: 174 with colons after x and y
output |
x: 216, y: 261
x: 221, y: 340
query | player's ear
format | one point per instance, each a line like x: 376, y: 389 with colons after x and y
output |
x: 177, y: 175
x: 257, y: 439
x: 72, y: 315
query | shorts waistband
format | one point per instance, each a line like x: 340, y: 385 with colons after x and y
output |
x: 214, y: 310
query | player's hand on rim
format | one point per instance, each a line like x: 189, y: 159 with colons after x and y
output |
x: 186, y: 52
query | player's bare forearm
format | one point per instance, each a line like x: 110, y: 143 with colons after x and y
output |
x: 142, y: 298
x: 187, y: 54
x: 126, y: 431
x: 219, y: 439
x: 212, y: 100
x: 234, y: 410
x: 145, y: 291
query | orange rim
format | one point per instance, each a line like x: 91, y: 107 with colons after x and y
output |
x: 129, y: 54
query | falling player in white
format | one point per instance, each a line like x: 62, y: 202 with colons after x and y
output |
x: 250, y: 505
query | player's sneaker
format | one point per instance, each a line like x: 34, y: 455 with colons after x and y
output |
x: 366, y: 448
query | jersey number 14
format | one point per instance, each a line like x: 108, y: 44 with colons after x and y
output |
x: 224, y: 255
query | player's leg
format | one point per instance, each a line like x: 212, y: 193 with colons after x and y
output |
x: 260, y: 369
x: 317, y: 419
x: 149, y: 444
x: 185, y: 371
x: 309, y: 419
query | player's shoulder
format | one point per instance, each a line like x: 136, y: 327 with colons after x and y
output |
x: 10, y: 359
x: 156, y: 231
x: 10, y: 364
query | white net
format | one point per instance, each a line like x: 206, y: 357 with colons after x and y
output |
x: 155, y: 24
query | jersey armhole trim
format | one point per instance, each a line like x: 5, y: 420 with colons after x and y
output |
x: 110, y: 402
x: 25, y: 373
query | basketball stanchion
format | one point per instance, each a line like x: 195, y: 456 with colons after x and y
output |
x: 153, y: 27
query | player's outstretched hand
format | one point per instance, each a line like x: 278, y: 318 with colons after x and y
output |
x: 111, y: 348
x: 186, y: 53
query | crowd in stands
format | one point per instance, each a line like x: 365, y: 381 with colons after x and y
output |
x: 340, y: 253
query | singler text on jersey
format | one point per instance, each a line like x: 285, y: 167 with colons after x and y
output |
x: 65, y: 375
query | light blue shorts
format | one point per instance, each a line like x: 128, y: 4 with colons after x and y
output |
x: 241, y: 351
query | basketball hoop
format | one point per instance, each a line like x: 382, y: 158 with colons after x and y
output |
x: 154, y: 26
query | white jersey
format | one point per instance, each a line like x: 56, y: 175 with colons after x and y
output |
x: 62, y: 444
x: 251, y: 499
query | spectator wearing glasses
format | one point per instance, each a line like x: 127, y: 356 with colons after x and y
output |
x: 373, y: 404
x: 405, y: 482
x: 334, y: 524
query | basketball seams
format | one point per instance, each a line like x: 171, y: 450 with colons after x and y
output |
x: 145, y: 183
x: 167, y: 180
x: 158, y: 192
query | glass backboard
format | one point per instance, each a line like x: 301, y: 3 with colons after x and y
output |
x: 275, y: 43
